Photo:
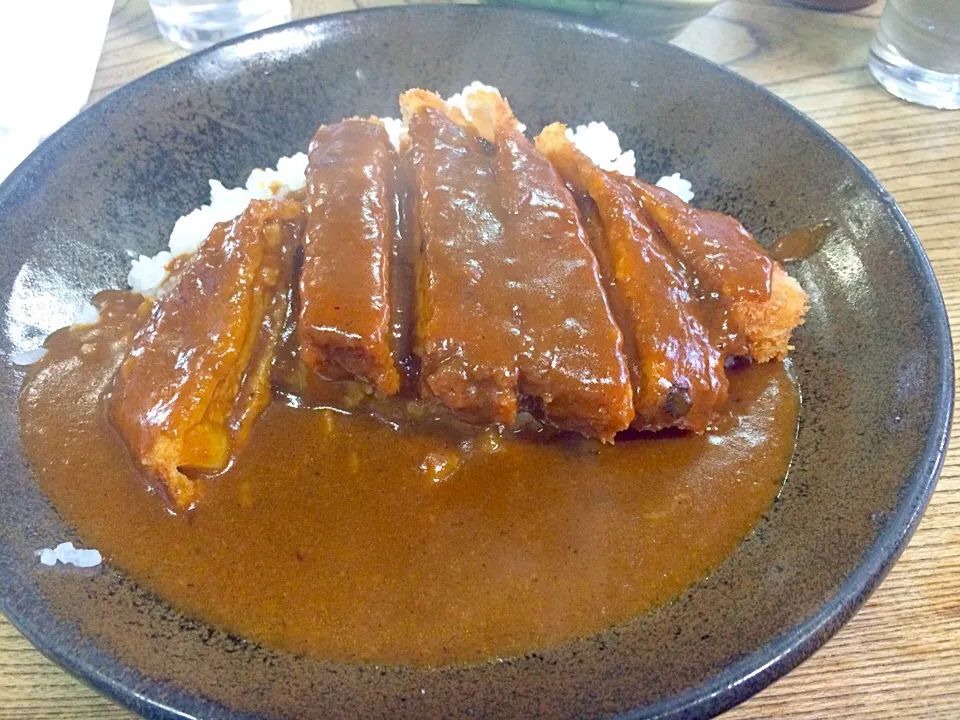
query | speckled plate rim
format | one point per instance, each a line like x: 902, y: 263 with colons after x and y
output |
x: 739, y: 680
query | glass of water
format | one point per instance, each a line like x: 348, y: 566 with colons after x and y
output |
x: 195, y: 24
x: 916, y: 53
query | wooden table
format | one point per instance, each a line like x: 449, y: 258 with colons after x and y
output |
x: 900, y: 656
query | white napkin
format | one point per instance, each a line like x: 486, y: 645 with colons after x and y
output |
x: 48, y: 56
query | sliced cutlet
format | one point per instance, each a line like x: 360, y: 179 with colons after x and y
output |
x: 571, y: 362
x: 466, y: 330
x: 677, y: 373
x: 345, y: 316
x: 764, y: 303
x: 197, y: 373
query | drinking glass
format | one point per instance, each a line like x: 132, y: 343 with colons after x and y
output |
x: 916, y: 53
x: 658, y: 18
x: 195, y: 24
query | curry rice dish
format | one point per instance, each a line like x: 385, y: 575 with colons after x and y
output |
x: 478, y: 395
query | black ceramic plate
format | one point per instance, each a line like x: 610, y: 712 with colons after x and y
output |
x: 874, y: 359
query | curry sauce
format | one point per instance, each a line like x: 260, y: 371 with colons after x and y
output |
x: 378, y: 534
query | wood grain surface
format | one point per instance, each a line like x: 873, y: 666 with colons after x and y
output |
x: 900, y: 656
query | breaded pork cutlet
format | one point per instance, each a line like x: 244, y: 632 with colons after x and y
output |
x: 345, y: 312
x: 678, y: 375
x: 765, y: 304
x: 571, y: 363
x: 466, y: 329
x: 198, y: 372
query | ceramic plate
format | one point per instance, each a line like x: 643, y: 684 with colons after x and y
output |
x: 874, y: 358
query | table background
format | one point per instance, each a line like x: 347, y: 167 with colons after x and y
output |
x: 900, y: 655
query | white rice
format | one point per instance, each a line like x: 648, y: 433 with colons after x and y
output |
x: 27, y: 357
x: 147, y: 274
x: 459, y: 100
x: 88, y: 315
x: 601, y: 144
x: 683, y: 189
x: 394, y: 128
x: 67, y: 554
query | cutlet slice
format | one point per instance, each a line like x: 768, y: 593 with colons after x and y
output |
x: 571, y: 361
x: 197, y: 373
x: 467, y: 330
x: 344, y: 322
x: 765, y: 304
x: 677, y: 373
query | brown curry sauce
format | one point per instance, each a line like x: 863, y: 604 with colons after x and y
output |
x: 382, y: 534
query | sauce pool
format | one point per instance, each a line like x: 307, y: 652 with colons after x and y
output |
x: 801, y: 243
x: 326, y: 537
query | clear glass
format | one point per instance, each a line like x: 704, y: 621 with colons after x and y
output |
x: 658, y: 18
x: 196, y: 24
x: 916, y: 53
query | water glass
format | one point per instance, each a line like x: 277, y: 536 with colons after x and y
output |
x: 916, y: 53
x: 656, y: 18
x: 194, y: 24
